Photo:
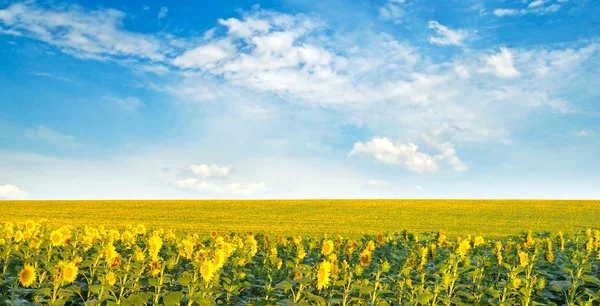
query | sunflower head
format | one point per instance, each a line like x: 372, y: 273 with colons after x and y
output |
x: 56, y: 237
x: 323, y: 275
x: 327, y: 248
x: 365, y: 258
x: 27, y: 276
x: 69, y: 272
x: 207, y: 270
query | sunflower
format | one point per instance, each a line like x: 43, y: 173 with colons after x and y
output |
x: 30, y: 225
x: 207, y: 270
x: 327, y: 248
x: 219, y: 259
x: 188, y: 248
x: 69, y: 272
x: 323, y: 275
x: 18, y: 237
x: 523, y: 259
x: 371, y: 246
x: 214, y: 234
x: 56, y: 237
x: 111, y: 279
x: 365, y: 258
x: 463, y: 248
x: 27, y: 276
x: 154, y: 245
x: 380, y: 238
x: 227, y: 248
x: 140, y: 229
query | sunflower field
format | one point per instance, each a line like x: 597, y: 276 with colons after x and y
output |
x: 135, y: 265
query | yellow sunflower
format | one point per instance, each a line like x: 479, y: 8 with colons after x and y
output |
x: 207, y: 270
x: 323, y: 275
x: 365, y: 258
x: 69, y: 272
x: 327, y: 248
x: 27, y: 276
x: 56, y: 237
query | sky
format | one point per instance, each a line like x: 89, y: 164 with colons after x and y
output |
x: 299, y: 99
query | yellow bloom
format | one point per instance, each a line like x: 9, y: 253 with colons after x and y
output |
x: 27, y: 276
x: 154, y: 246
x: 365, y: 258
x: 207, y: 270
x: 327, y: 248
x: 18, y: 236
x: 188, y: 248
x: 463, y: 248
x: 140, y: 229
x: 111, y: 279
x: 219, y: 259
x: 227, y: 248
x: 69, y: 272
x: 127, y: 237
x: 323, y: 275
x: 30, y: 225
x: 478, y: 241
x: 214, y: 234
x: 523, y: 259
x: 371, y: 246
x: 56, y: 237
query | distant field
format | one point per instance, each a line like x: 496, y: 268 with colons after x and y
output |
x: 316, y: 217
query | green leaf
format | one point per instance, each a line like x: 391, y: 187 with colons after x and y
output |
x: 590, y: 279
x: 284, y: 285
x: 424, y: 298
x: 172, y: 299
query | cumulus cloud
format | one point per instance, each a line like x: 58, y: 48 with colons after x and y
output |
x: 12, y: 192
x: 234, y: 189
x: 408, y: 155
x: 582, y: 133
x: 501, y: 65
x: 206, y: 56
x: 445, y: 36
x: 210, y: 171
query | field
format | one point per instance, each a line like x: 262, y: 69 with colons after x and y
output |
x: 143, y: 266
x: 491, y: 218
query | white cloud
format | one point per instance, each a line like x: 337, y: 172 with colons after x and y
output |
x: 126, y: 103
x: 50, y: 75
x: 501, y: 65
x: 582, y: 133
x: 408, y: 155
x: 88, y: 34
x: 206, y: 56
x: 505, y: 12
x: 210, y: 171
x: 446, y: 36
x: 47, y: 134
x: 387, y: 152
x: 12, y: 192
x: 234, y: 189
x: 163, y: 12
x: 392, y: 11
x: 536, y: 7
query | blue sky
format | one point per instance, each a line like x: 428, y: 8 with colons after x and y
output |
x: 299, y: 99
